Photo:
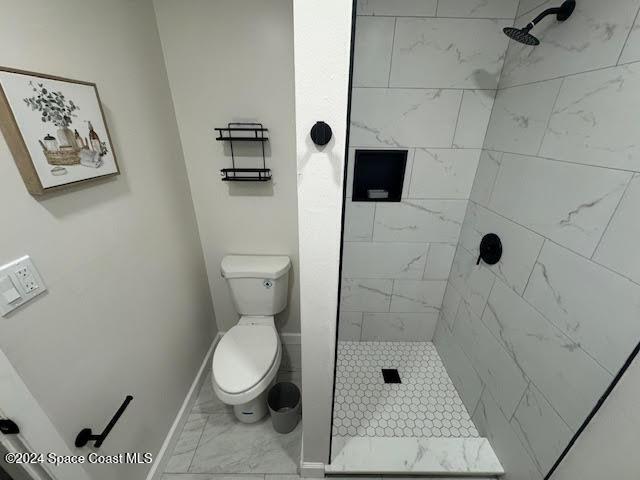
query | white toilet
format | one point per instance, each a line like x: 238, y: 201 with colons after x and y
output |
x: 247, y: 358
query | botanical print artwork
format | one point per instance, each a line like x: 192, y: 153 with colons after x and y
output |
x: 56, y: 109
x: 62, y: 126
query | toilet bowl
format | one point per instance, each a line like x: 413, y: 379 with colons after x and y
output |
x: 245, y: 364
x: 247, y: 358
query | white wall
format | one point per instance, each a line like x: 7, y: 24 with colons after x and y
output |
x: 424, y: 81
x: 608, y: 448
x: 533, y: 341
x: 322, y: 31
x: 233, y: 61
x: 128, y: 309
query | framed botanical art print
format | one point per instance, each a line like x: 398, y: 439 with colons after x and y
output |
x: 55, y: 129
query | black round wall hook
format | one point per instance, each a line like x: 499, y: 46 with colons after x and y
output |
x: 490, y: 249
x: 321, y: 133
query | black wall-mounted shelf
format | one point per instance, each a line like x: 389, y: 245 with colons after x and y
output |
x: 246, y: 174
x: 244, y: 132
x: 228, y: 134
x: 242, y: 139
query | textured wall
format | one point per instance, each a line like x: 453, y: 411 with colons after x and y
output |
x: 608, y: 448
x: 322, y: 33
x: 128, y: 309
x: 533, y: 341
x: 230, y: 61
x: 424, y: 80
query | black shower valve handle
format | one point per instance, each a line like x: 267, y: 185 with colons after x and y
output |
x: 490, y: 249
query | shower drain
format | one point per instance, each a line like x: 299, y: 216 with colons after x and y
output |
x: 391, y: 375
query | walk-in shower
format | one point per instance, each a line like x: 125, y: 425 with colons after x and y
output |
x: 450, y: 365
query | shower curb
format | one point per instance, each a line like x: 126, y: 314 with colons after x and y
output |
x: 464, y: 457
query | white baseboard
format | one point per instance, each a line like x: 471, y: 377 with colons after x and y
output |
x: 157, y: 469
x: 291, y: 338
x: 312, y: 470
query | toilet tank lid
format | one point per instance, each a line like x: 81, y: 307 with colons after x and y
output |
x: 255, y: 266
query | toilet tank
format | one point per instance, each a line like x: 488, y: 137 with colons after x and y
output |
x: 259, y: 284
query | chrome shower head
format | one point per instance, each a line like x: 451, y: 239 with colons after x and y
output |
x: 522, y: 35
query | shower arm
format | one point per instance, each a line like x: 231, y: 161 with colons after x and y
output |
x: 562, y: 12
x: 548, y: 11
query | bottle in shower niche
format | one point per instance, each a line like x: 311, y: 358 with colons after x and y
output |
x: 94, y: 139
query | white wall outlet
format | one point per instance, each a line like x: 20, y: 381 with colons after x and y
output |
x: 19, y: 283
x: 26, y: 279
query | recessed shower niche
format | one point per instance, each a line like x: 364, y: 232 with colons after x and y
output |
x: 378, y: 175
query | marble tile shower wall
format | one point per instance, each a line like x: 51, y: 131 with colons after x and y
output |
x: 532, y: 342
x: 425, y: 76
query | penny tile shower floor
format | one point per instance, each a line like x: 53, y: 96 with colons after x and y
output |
x: 425, y: 404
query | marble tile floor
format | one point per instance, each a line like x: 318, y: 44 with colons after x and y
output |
x: 213, y: 444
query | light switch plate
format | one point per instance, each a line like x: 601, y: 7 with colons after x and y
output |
x: 19, y: 276
x: 9, y: 290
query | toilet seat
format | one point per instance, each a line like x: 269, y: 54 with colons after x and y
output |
x: 246, y: 361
